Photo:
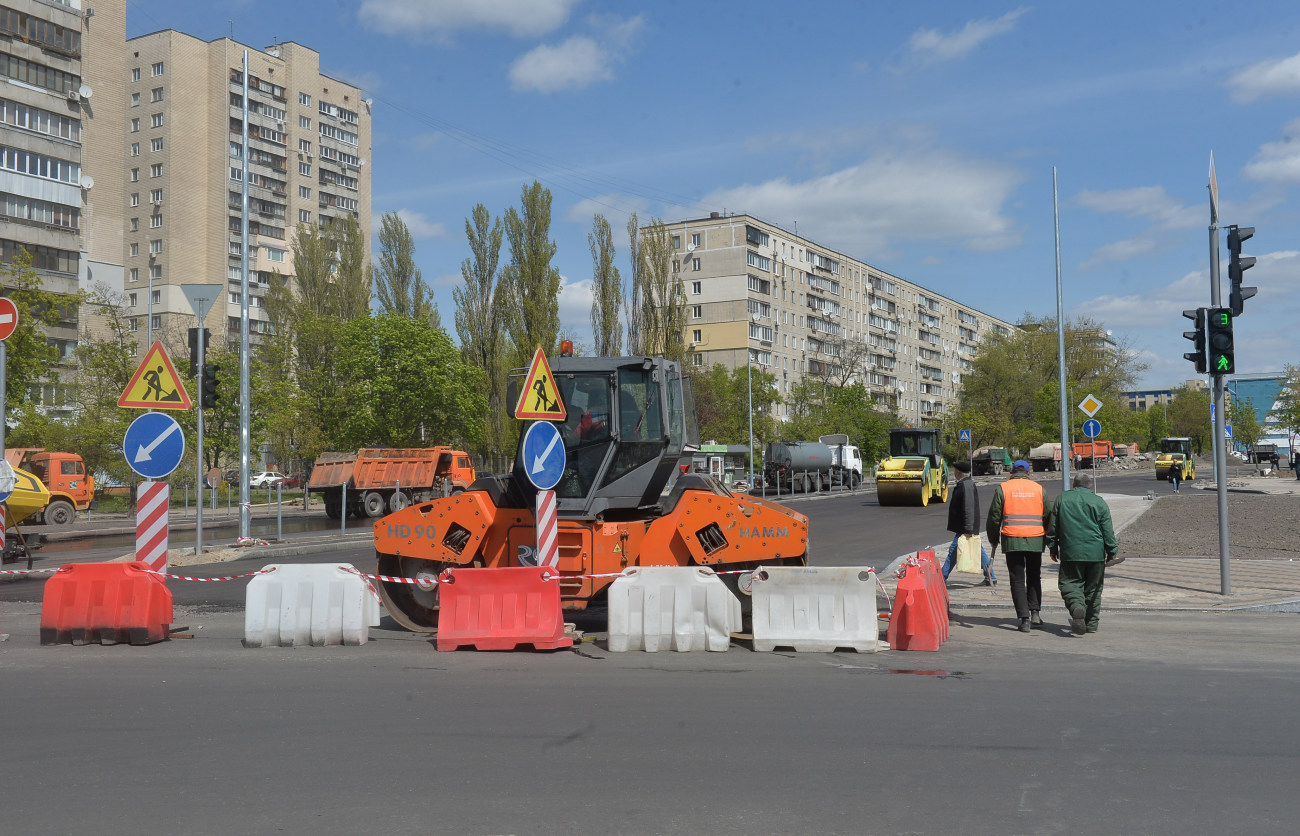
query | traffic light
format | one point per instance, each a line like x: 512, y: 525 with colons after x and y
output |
x: 1219, y: 340
x: 1239, y: 264
x: 1197, y: 337
x: 194, y: 349
x: 208, y: 386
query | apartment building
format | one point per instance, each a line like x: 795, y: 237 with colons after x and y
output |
x: 757, y: 293
x: 60, y: 129
x: 309, y: 139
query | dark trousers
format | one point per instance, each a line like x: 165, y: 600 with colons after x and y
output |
x: 1026, y: 570
x: 1080, y: 583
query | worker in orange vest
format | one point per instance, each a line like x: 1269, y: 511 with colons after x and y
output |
x: 1018, y: 521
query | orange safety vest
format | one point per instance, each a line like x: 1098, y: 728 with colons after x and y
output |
x: 1022, y: 508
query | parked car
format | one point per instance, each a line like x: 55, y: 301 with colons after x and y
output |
x: 265, y: 479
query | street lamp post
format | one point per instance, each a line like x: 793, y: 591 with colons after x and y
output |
x: 749, y: 374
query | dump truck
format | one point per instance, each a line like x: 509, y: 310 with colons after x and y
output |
x: 28, y: 500
x: 622, y: 500
x: 379, y: 480
x: 1045, y: 457
x: 1086, y: 451
x: 1175, y: 451
x: 1265, y: 453
x: 70, y: 487
x: 990, y: 461
x: 915, y: 472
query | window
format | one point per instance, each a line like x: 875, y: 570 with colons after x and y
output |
x: 155, y: 246
x: 695, y: 264
x: 135, y: 126
x: 133, y: 300
x: 135, y: 276
x: 272, y: 254
x: 156, y: 94
x: 156, y: 297
x: 304, y: 192
x: 697, y: 311
x: 677, y: 242
x: 135, y: 149
x: 135, y: 198
x: 304, y: 99
x: 762, y: 262
x: 135, y: 248
x: 155, y: 144
x: 156, y: 322
x: 304, y: 217
x: 135, y: 175
x: 135, y: 226
x: 236, y: 174
x: 135, y: 74
x: 304, y: 169
x: 155, y: 196
x: 695, y: 239
x: 697, y: 359
x: 155, y: 221
x: 697, y: 336
x: 155, y: 170
x: 756, y: 236
x: 158, y: 69
x: 760, y: 285
x: 304, y: 122
x: 304, y: 146
x: 155, y: 272
x: 760, y: 308
x: 696, y: 288
x: 156, y: 121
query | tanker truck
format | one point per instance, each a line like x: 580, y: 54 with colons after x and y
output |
x: 799, y: 466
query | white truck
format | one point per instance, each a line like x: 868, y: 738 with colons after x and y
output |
x: 845, y: 457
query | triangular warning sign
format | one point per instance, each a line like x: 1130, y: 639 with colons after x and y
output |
x: 539, y: 400
x: 155, y: 384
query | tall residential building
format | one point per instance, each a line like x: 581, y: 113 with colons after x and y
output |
x: 62, y: 102
x: 309, y: 139
x: 756, y: 293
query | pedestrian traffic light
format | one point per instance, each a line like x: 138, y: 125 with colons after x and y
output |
x: 195, y: 359
x: 1197, y: 337
x: 1239, y: 264
x: 208, y: 386
x: 1219, y: 341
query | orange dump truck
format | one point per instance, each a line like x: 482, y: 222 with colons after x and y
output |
x: 64, y: 475
x: 380, y: 480
x: 1084, y: 450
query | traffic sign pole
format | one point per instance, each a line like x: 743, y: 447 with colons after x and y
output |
x: 8, y: 324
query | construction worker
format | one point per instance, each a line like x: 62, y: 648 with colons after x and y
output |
x: 1081, y: 537
x: 1018, y: 521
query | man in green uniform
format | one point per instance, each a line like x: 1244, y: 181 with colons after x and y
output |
x: 1081, y: 537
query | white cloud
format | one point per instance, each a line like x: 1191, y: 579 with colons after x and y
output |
x: 931, y: 195
x: 1278, y: 162
x: 1278, y: 77
x: 615, y: 207
x: 448, y: 280
x: 574, y: 64
x: 934, y: 45
x: 420, y: 226
x: 575, y: 306
x: 1150, y: 202
x: 440, y: 18
x: 1120, y: 251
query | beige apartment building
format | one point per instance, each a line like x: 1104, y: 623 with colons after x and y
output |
x: 756, y: 293
x: 181, y: 173
x: 61, y: 103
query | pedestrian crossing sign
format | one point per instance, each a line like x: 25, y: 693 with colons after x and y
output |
x: 155, y: 384
x: 539, y: 399
x: 964, y: 436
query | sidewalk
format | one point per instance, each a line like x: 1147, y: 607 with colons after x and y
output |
x: 1148, y: 583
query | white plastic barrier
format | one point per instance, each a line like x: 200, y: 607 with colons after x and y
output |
x: 680, y: 608
x: 815, y: 609
x: 309, y: 604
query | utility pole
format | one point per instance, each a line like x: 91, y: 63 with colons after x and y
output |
x: 1220, y: 451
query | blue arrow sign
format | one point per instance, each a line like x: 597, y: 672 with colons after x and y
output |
x: 964, y: 435
x: 1092, y: 428
x: 153, y: 445
x: 543, y: 453
x: 8, y: 481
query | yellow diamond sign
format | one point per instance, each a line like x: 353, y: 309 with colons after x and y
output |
x: 1090, y: 405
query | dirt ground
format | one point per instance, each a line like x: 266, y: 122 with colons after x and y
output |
x: 1187, y: 525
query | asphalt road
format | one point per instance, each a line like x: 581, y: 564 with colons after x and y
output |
x: 1158, y: 724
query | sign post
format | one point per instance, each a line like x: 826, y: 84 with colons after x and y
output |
x: 153, y: 445
x: 201, y: 297
x: 964, y: 435
x: 8, y: 324
x: 1092, y: 429
x: 543, y: 460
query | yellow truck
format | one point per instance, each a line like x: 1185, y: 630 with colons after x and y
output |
x: 29, y: 498
x: 1175, y: 452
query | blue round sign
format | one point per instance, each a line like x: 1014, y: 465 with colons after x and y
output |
x: 153, y: 445
x: 543, y: 452
x: 1092, y: 428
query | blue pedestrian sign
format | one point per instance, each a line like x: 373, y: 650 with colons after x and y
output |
x: 543, y: 452
x: 154, y: 445
x: 1227, y: 431
x: 964, y: 435
x: 1092, y: 428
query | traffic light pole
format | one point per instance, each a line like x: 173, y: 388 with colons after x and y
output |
x: 1220, y: 417
x: 198, y: 520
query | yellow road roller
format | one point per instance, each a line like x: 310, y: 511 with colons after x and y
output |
x: 28, y: 498
x: 1175, y: 452
x: 915, y: 472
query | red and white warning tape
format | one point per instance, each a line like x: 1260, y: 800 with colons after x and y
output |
x: 25, y: 571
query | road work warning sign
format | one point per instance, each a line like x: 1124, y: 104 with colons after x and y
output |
x: 155, y: 384
x: 539, y: 399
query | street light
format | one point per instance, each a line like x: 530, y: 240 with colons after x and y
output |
x: 749, y: 385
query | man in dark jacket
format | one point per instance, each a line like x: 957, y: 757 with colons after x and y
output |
x: 1080, y: 535
x: 964, y: 518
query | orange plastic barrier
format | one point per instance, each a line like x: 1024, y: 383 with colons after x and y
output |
x: 938, y: 590
x: 500, y: 609
x: 919, y: 620
x: 105, y: 603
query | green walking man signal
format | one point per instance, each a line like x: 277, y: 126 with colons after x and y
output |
x: 1219, y: 342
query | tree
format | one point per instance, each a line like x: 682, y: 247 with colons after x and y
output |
x: 1286, y: 408
x: 532, y: 317
x: 398, y: 283
x: 1189, y: 416
x: 722, y: 400
x: 480, y: 314
x: 30, y: 357
x: 606, y: 291
x: 634, y: 299
x: 817, y: 408
x: 843, y: 362
x: 352, y: 275
x: 662, y: 295
x: 1244, y: 420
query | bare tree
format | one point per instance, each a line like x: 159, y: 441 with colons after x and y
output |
x: 634, y: 300
x: 606, y: 291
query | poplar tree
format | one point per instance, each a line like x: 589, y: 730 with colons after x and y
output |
x: 606, y: 291
x: 480, y: 312
x: 398, y: 284
x: 634, y: 300
x: 533, y: 283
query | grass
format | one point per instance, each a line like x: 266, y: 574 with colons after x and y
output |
x: 109, y: 503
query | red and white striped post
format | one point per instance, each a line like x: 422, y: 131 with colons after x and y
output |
x: 152, y: 503
x: 548, y: 536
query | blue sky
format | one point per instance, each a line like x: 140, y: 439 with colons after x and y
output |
x: 917, y: 137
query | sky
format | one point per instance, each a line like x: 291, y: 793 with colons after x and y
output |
x: 920, y: 138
